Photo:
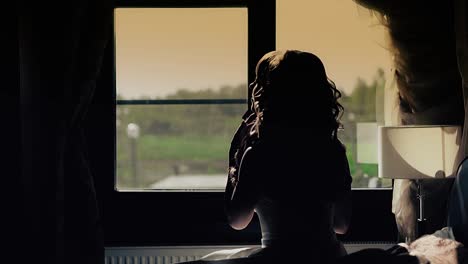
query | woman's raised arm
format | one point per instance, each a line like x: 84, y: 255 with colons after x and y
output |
x: 242, y: 196
x: 343, y: 205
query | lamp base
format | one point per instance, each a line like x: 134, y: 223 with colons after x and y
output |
x: 421, y: 221
x: 420, y: 228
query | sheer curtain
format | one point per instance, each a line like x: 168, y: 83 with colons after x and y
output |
x: 60, y: 49
x: 423, y: 38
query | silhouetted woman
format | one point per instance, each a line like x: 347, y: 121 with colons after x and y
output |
x: 287, y: 164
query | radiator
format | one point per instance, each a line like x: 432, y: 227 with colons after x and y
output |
x: 159, y: 255
x: 169, y: 255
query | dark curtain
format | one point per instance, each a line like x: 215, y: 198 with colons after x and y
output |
x: 10, y: 202
x: 60, y: 49
x: 461, y: 23
x: 423, y: 41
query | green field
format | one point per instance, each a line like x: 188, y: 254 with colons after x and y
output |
x: 161, y: 156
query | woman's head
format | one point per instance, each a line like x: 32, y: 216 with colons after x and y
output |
x: 292, y: 89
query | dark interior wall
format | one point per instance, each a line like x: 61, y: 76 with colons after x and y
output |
x: 12, y: 225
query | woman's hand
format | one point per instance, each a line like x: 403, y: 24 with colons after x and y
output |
x: 232, y: 177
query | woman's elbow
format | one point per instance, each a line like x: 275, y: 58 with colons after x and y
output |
x: 238, y: 225
x: 342, y: 215
x: 240, y: 220
x: 341, y: 228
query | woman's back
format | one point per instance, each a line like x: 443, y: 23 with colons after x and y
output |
x: 300, y: 181
x: 294, y: 168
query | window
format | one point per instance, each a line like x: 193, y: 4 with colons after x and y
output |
x: 181, y: 81
x: 351, y: 44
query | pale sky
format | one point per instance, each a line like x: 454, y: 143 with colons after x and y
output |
x: 160, y: 50
x: 348, y: 39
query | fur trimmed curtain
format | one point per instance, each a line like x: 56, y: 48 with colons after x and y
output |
x: 423, y: 38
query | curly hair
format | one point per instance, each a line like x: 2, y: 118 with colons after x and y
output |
x: 291, y: 89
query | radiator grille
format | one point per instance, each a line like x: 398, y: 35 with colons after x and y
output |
x: 158, y: 255
x: 148, y: 259
x: 170, y: 255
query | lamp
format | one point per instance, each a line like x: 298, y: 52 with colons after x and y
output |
x: 419, y: 152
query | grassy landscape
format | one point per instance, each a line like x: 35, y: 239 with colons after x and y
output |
x: 161, y: 156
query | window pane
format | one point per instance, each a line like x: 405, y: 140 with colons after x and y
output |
x: 177, y: 147
x: 181, y: 54
x: 166, y: 51
x: 351, y: 44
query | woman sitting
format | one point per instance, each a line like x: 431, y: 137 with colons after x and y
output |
x: 288, y: 165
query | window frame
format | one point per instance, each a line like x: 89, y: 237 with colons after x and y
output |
x: 157, y: 218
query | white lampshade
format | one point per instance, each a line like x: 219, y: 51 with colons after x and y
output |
x: 419, y: 152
